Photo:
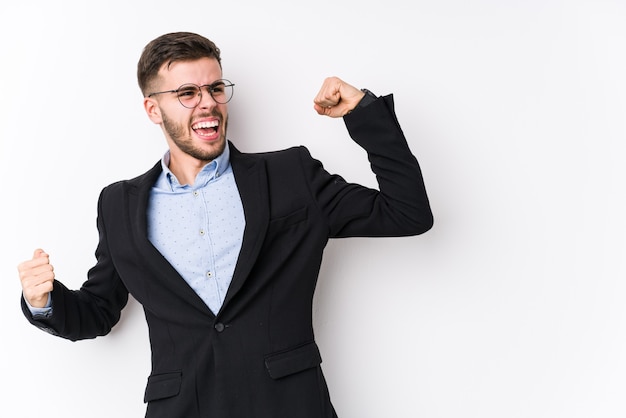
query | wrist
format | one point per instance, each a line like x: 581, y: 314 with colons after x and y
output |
x: 368, y: 98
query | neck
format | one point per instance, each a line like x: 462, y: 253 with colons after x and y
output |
x: 186, y: 168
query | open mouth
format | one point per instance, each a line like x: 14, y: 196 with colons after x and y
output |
x: 206, y: 128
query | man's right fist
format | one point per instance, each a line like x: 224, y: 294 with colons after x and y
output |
x: 37, y: 277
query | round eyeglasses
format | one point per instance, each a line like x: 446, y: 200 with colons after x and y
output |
x: 189, y: 95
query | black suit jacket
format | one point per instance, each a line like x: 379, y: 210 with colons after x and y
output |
x: 257, y: 357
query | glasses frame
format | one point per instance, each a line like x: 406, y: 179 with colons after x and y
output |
x: 210, y: 88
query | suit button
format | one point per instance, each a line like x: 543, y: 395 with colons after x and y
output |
x: 219, y: 327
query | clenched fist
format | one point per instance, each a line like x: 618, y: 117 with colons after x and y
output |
x: 37, y: 277
x: 336, y: 98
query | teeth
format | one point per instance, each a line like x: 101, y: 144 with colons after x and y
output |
x: 205, y: 125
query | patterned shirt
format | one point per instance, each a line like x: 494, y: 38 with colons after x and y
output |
x: 199, y: 228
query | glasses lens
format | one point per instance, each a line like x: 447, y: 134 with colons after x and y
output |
x: 221, y: 91
x: 189, y: 95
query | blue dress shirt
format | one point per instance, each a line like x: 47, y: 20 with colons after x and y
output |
x: 199, y: 228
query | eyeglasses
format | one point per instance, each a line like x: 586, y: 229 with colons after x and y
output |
x: 189, y: 95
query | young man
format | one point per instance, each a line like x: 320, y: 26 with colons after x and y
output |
x: 223, y: 248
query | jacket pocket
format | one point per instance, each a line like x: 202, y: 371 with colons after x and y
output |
x: 293, y: 361
x: 289, y: 219
x: 161, y: 386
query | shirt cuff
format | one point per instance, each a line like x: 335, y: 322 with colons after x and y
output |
x: 45, y: 312
x: 367, y: 99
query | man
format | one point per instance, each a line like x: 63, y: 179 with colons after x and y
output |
x: 223, y: 248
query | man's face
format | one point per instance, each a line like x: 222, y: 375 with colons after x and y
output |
x: 199, y: 132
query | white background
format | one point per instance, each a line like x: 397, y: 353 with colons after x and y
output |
x: 511, y: 306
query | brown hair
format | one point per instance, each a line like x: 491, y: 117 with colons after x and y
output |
x: 169, y: 48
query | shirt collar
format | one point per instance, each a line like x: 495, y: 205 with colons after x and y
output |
x: 210, y: 171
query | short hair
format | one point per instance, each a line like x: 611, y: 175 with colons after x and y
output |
x: 170, y: 48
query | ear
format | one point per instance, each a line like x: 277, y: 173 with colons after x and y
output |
x: 152, y: 110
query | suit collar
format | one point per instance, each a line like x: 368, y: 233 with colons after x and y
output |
x: 139, y: 195
x: 251, y: 178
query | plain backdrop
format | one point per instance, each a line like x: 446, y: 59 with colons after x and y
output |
x: 511, y: 306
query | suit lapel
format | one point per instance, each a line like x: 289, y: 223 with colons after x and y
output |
x: 251, y: 178
x: 161, y: 269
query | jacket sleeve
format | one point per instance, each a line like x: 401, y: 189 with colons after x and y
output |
x: 400, y: 206
x: 92, y: 310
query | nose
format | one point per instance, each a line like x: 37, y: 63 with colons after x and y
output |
x: 206, y: 99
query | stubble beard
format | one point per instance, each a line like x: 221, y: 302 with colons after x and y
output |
x: 182, y: 139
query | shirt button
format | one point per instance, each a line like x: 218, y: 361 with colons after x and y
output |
x: 209, y: 274
x: 195, y: 193
x: 202, y: 232
x: 219, y: 327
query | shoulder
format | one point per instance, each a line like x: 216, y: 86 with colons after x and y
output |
x: 282, y: 156
x: 140, y: 182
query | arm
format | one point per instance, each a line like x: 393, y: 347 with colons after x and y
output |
x: 400, y: 207
x: 89, y: 312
